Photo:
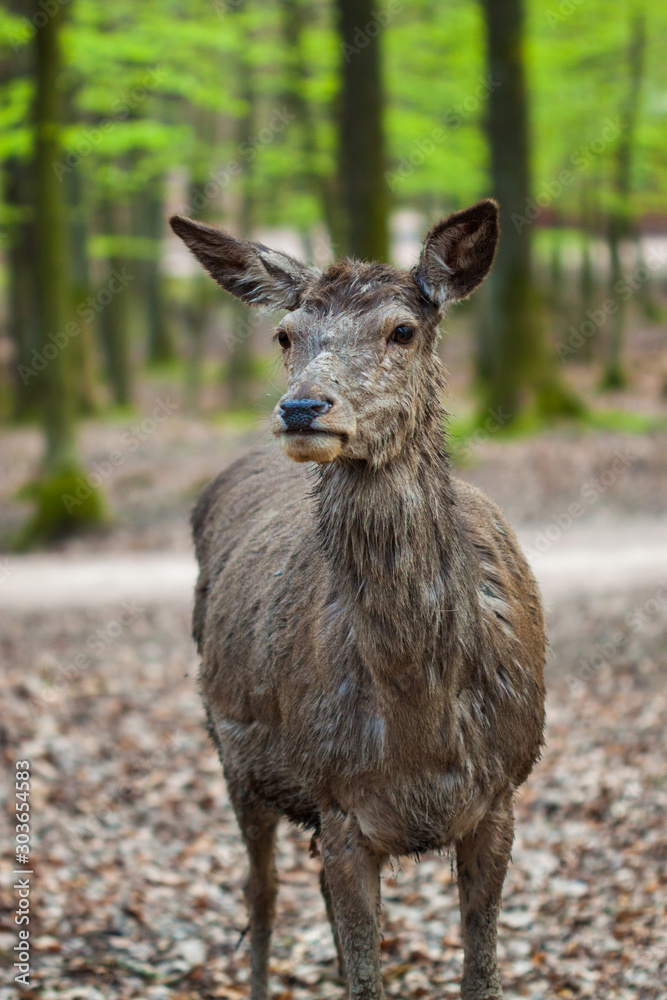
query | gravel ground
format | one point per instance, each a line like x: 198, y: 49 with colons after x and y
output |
x: 138, y: 871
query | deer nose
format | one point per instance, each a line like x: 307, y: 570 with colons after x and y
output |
x: 298, y: 414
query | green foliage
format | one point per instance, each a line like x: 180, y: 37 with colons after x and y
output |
x: 436, y: 104
x: 624, y: 422
x: 15, y: 137
x: 580, y: 75
x: 466, y: 434
x: 155, y: 86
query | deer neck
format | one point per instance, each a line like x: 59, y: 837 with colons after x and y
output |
x: 389, y: 534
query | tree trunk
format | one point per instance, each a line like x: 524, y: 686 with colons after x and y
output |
x: 195, y: 313
x: 83, y: 357
x: 202, y: 296
x: 650, y: 309
x: 364, y: 195
x: 22, y: 292
x: 614, y: 376
x: 113, y: 304
x: 620, y: 227
x: 557, y: 283
x: 587, y: 282
x: 520, y: 366
x: 51, y: 254
x: 239, y: 369
x: 293, y: 23
x: 160, y: 347
x: 195, y: 310
x: 63, y: 498
x: 22, y: 391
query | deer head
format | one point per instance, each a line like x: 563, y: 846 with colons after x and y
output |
x: 358, y: 339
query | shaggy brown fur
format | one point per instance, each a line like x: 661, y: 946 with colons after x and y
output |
x: 372, y: 639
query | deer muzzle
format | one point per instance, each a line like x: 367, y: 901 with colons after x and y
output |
x: 312, y: 427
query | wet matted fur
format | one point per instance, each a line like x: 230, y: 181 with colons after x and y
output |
x: 372, y: 639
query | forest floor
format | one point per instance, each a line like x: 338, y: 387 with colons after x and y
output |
x: 138, y: 870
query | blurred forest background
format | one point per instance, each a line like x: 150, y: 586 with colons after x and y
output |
x: 324, y: 128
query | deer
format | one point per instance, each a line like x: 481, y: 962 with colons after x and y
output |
x: 372, y: 640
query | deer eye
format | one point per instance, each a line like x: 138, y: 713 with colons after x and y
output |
x: 403, y: 334
x: 283, y: 339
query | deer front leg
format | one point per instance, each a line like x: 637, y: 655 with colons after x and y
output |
x: 258, y: 827
x: 482, y: 858
x: 352, y: 874
x: 332, y: 921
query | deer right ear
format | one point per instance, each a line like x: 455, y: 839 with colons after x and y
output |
x: 250, y: 271
x: 457, y: 253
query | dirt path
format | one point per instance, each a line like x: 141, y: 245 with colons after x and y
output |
x: 582, y: 559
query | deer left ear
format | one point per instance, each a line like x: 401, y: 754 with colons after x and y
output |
x: 457, y: 253
x: 250, y: 271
